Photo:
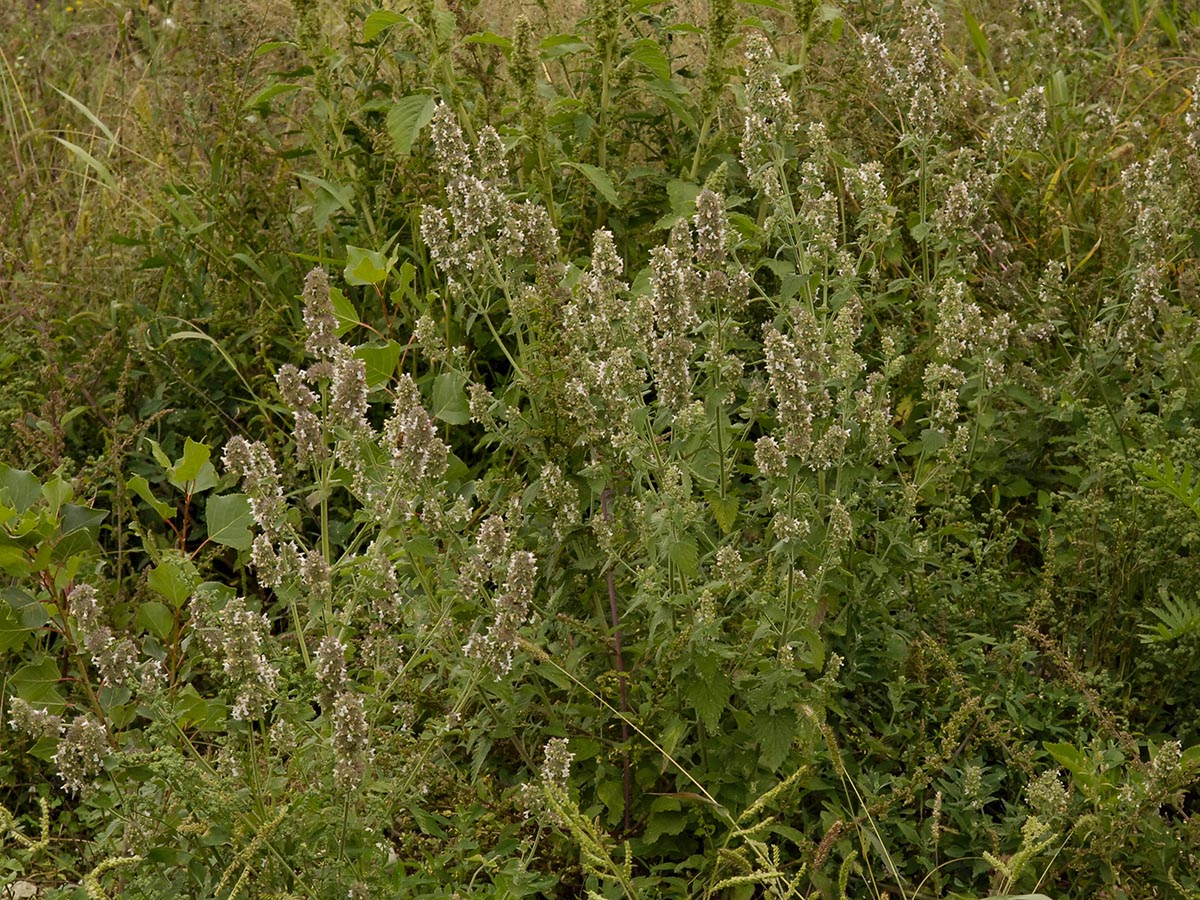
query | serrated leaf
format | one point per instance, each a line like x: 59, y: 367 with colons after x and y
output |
x: 365, y: 266
x: 380, y: 360
x: 406, y: 118
x: 450, y: 399
x: 429, y: 822
x: 709, y: 692
x: 725, y: 510
x: 775, y: 734
x: 380, y: 21
x: 686, y: 555
x: 229, y: 518
x: 141, y: 487
x: 600, y: 181
x: 156, y: 618
x: 343, y: 311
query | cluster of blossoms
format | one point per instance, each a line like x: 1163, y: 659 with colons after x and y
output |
x: 915, y: 80
x: 496, y: 648
x: 116, y: 658
x: 674, y: 285
x: 770, y: 117
x: 238, y: 639
x: 876, y: 216
x: 480, y: 229
x: 562, y: 497
x: 605, y: 332
x: 962, y: 333
x: 81, y: 751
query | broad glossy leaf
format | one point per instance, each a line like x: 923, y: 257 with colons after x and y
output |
x: 365, y: 266
x: 18, y: 489
x: 229, y: 520
x: 141, y: 487
x: 450, y: 400
x: 156, y: 618
x: 380, y: 361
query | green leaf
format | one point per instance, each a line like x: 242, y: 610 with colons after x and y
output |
x: 343, y: 311
x: 160, y: 455
x: 18, y: 489
x: 489, y: 37
x: 12, y: 633
x: 775, y: 734
x: 1066, y: 756
x: 600, y: 181
x: 29, y: 611
x: 668, y: 822
x: 89, y: 161
x: 77, y: 518
x: 725, y: 510
x: 978, y: 38
x: 450, y: 399
x: 156, y: 618
x: 429, y: 822
x: 189, y: 466
x: 57, y: 492
x: 267, y: 94
x: 380, y: 21
x: 380, y: 361
x: 229, y: 519
x: 648, y: 54
x: 709, y: 691
x: 174, y: 578
x: 80, y: 527
x: 37, y: 684
x: 556, y: 45
x: 141, y: 487
x: 365, y: 266
x: 406, y: 118
x: 686, y: 555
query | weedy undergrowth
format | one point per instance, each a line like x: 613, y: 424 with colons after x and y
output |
x: 721, y: 458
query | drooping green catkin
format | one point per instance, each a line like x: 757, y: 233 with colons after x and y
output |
x: 8, y: 826
x: 239, y: 861
x: 770, y: 796
x: 849, y: 866
x: 91, y: 881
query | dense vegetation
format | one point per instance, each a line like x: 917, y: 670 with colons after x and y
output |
x: 456, y: 453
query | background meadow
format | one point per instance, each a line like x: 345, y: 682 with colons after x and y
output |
x: 626, y: 449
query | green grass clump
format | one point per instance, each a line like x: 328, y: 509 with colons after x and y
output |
x: 727, y: 455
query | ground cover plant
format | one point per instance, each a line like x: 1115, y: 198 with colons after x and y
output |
x: 636, y: 451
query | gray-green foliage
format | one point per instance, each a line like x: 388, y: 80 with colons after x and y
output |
x: 753, y: 461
